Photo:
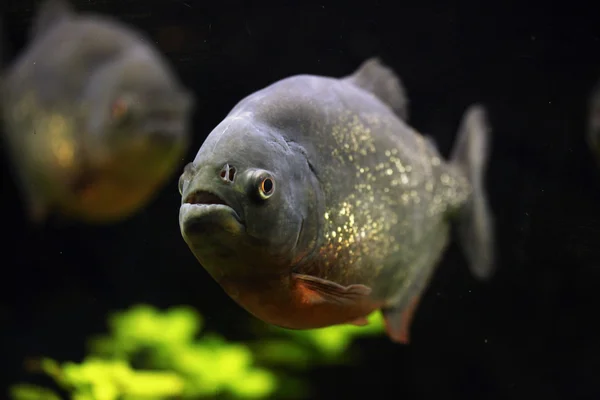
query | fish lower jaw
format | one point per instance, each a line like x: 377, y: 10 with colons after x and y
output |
x: 209, y: 216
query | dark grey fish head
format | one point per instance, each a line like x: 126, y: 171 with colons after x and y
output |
x: 136, y: 108
x: 248, y: 201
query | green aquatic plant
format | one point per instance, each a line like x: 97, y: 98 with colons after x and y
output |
x: 99, y: 379
x: 26, y: 391
x: 157, y: 355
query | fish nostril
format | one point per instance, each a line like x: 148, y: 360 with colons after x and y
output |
x: 227, y: 173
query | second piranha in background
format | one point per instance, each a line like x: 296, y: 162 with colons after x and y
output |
x: 95, y: 120
x: 313, y: 203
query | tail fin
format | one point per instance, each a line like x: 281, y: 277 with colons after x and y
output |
x: 476, y: 223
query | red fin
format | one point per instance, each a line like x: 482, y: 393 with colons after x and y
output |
x: 398, y: 322
x: 315, y: 290
x: 362, y: 321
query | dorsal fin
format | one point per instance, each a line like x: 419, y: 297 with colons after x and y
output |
x: 50, y: 12
x: 376, y: 78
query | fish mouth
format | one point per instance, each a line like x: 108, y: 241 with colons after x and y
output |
x: 202, y: 197
x: 202, y: 210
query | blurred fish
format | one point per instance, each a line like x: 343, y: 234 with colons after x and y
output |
x: 313, y: 203
x: 95, y: 120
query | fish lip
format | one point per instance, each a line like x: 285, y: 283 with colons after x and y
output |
x: 200, y: 203
x: 204, y: 197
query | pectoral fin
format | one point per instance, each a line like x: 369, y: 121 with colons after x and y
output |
x: 315, y: 290
x: 362, y: 321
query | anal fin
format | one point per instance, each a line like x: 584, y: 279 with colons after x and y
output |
x: 399, y: 315
x: 398, y: 321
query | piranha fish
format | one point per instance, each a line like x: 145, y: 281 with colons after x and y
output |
x: 313, y: 203
x: 95, y: 121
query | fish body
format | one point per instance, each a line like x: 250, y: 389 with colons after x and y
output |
x: 95, y: 120
x: 314, y: 203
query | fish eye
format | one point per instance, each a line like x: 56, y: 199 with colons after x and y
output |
x: 119, y: 109
x: 266, y: 187
x: 122, y: 109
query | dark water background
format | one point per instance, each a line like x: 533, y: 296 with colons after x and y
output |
x: 531, y: 332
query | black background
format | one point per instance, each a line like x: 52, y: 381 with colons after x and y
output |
x: 529, y: 332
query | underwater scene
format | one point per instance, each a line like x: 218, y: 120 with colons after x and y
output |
x: 299, y: 200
